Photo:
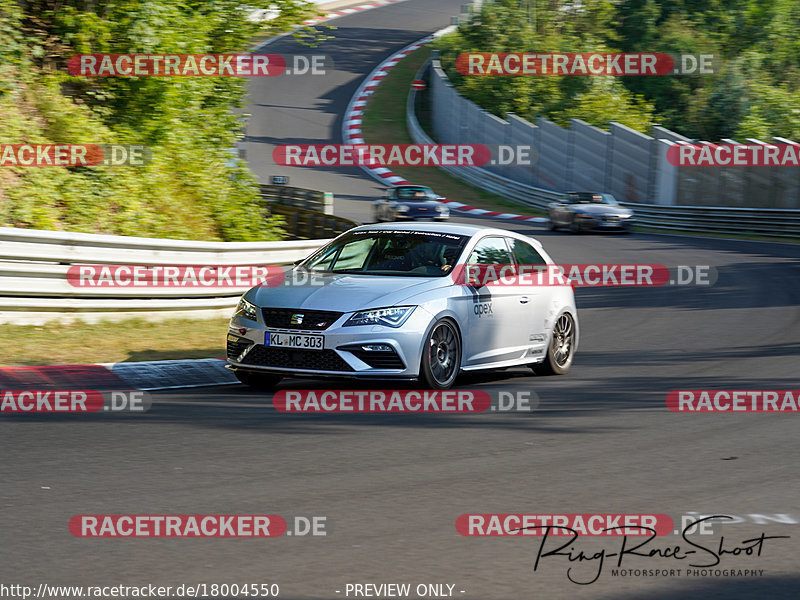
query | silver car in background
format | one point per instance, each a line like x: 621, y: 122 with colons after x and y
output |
x: 588, y: 211
x: 386, y: 301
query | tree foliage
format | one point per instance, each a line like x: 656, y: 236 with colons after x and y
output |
x: 756, y: 45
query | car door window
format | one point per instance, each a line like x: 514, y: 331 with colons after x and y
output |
x: 490, y: 251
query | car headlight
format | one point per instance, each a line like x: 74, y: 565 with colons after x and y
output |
x: 393, y: 316
x: 402, y: 208
x: 442, y: 209
x: 246, y: 309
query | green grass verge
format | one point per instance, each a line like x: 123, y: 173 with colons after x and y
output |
x: 130, y: 340
x: 384, y: 121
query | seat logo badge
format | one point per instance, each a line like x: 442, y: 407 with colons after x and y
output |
x: 297, y: 319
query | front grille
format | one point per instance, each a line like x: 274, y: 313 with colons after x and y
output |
x: 312, y: 320
x: 235, y: 348
x: 291, y: 358
x: 379, y: 360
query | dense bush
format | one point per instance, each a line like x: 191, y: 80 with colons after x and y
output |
x: 192, y: 188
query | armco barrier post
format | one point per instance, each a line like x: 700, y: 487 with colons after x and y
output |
x: 327, y: 203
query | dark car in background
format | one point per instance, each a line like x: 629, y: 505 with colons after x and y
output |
x: 410, y: 202
x: 587, y: 211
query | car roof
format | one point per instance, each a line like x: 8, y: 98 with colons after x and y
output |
x: 452, y: 228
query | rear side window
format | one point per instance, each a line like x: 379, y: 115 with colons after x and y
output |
x: 525, y: 253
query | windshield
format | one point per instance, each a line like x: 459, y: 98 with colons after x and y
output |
x: 415, y: 194
x: 593, y: 199
x: 390, y: 252
x: 607, y: 199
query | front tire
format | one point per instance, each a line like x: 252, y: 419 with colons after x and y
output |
x: 441, y: 356
x: 258, y: 381
x: 561, y: 349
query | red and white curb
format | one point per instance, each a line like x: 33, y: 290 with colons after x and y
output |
x: 351, y: 132
x: 349, y: 11
x: 145, y: 375
x: 351, y: 127
x: 492, y: 214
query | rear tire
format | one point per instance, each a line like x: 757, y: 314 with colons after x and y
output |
x: 560, y: 351
x: 258, y: 381
x: 574, y: 227
x: 441, y: 356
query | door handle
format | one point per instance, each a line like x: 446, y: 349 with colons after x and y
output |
x: 524, y: 300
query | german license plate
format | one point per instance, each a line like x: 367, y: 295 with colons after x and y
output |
x: 294, y: 340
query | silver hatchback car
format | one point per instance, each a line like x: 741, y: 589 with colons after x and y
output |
x: 391, y: 301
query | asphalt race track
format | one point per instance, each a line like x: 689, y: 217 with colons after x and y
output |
x: 309, y: 109
x: 392, y: 486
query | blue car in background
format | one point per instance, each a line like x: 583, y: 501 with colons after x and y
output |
x: 410, y: 202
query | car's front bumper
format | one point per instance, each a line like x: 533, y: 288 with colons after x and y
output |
x: 417, y: 217
x: 605, y: 223
x: 342, y: 355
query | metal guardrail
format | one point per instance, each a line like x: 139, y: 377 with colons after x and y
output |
x: 771, y: 222
x: 309, y: 224
x: 308, y: 214
x: 34, y: 288
x: 298, y: 198
x: 66, y: 247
